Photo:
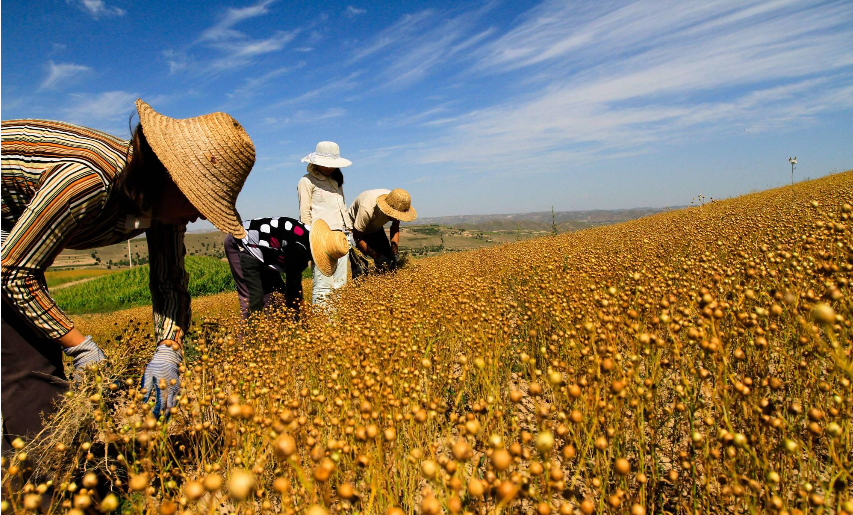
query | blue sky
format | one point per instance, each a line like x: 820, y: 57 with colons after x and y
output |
x: 491, y: 107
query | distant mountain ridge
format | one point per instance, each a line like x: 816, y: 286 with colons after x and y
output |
x: 542, y: 219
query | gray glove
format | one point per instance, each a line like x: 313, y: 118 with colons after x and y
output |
x: 162, y: 367
x: 85, y: 354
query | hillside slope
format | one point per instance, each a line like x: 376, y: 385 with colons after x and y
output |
x: 698, y: 360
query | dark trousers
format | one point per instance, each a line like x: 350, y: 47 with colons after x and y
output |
x: 256, y: 282
x: 33, y: 377
x: 379, y: 242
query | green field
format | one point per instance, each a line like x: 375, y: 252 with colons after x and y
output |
x: 58, y: 277
x: 129, y: 288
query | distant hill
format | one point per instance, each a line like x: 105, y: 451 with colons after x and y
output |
x: 541, y: 220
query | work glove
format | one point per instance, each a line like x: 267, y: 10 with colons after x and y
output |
x: 157, y: 377
x: 85, y: 354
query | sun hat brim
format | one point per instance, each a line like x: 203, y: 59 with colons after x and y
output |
x: 403, y: 216
x: 318, y: 238
x: 208, y: 157
x: 330, y: 162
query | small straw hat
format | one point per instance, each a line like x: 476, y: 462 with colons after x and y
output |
x: 327, y: 247
x: 327, y: 154
x: 397, y: 205
x: 208, y: 157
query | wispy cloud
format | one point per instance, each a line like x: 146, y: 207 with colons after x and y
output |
x: 334, y: 86
x: 63, y: 72
x: 255, y: 85
x: 108, y: 111
x: 400, y: 31
x: 353, y: 11
x: 597, y: 81
x: 176, y: 60
x: 306, y: 116
x: 240, y: 51
x: 224, y: 28
x: 423, y: 117
x: 232, y: 48
x: 419, y: 44
x: 98, y: 8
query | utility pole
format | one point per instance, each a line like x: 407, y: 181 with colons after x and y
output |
x: 793, y: 161
x: 129, y: 257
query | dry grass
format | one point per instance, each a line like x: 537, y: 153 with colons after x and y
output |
x: 696, y: 361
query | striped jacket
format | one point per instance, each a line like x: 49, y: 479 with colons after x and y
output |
x: 57, y: 193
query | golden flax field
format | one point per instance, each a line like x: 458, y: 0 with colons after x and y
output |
x: 692, y: 362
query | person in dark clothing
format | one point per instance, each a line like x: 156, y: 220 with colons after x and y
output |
x: 275, y: 246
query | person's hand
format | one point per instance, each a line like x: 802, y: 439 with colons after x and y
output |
x: 85, y: 353
x: 382, y: 262
x: 158, y: 379
x: 394, y: 248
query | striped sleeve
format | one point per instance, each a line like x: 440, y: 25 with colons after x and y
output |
x: 169, y: 281
x: 71, y: 192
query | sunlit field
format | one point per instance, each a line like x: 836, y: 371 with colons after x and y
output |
x: 64, y: 277
x: 694, y: 361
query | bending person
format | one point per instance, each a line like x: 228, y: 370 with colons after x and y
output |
x: 321, y: 197
x: 273, y: 246
x: 65, y: 186
x: 369, y: 213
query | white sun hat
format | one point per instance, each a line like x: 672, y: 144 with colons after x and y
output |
x: 327, y: 154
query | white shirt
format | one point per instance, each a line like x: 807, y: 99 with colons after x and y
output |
x: 321, y: 198
x: 365, y: 216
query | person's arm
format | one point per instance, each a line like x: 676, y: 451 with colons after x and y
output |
x: 170, y: 301
x: 71, y: 192
x: 169, y: 282
x: 362, y: 245
x: 304, y: 191
x: 395, y: 237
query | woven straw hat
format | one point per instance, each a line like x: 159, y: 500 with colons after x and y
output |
x: 327, y: 247
x: 208, y: 157
x: 397, y: 205
x: 327, y: 154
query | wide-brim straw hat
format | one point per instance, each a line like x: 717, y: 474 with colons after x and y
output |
x: 327, y: 247
x: 327, y: 154
x: 397, y: 205
x: 208, y: 157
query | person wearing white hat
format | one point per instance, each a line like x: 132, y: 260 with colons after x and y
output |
x: 66, y: 186
x: 369, y: 213
x: 321, y: 197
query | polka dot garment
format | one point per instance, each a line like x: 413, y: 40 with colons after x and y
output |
x: 275, y: 241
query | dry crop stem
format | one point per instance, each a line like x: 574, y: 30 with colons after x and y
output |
x: 695, y: 361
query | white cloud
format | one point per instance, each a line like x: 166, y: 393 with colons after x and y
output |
x: 332, y: 88
x: 232, y: 48
x: 176, y: 60
x: 98, y: 8
x: 109, y: 110
x: 596, y: 80
x: 419, y: 44
x: 58, y: 73
x: 353, y: 11
x: 400, y: 31
x: 255, y: 85
x: 223, y: 30
x: 239, y: 51
x: 304, y: 116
